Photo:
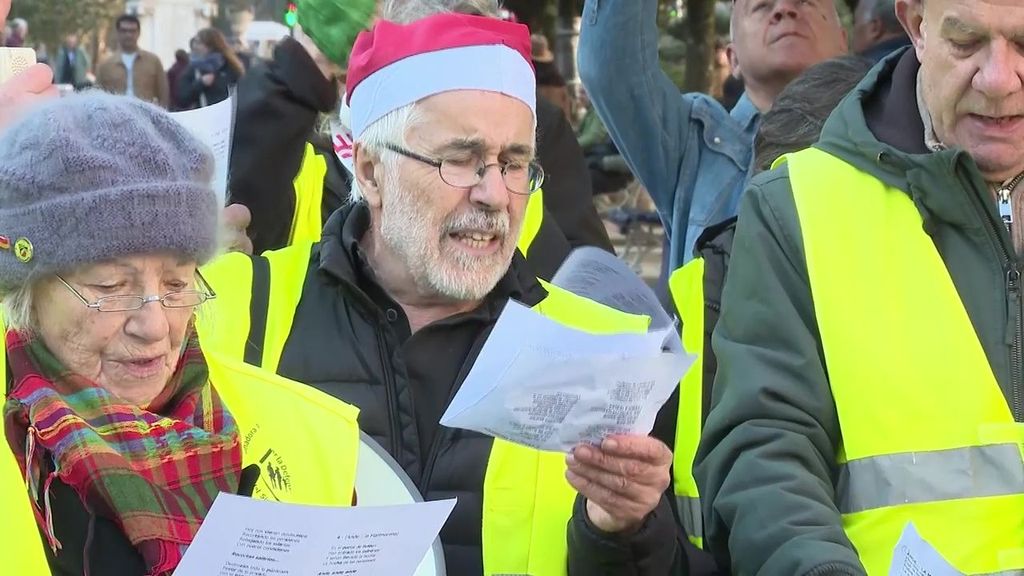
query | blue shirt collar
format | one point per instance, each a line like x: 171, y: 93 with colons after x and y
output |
x: 745, y: 112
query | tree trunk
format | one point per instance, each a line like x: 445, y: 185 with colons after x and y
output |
x: 700, y: 45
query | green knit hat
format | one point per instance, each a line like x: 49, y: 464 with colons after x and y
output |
x: 334, y: 24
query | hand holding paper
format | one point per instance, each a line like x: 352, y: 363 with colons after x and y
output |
x: 23, y: 82
x: 622, y: 479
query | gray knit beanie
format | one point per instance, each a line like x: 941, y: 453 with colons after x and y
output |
x: 93, y: 177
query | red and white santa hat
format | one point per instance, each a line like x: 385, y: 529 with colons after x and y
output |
x: 394, y: 65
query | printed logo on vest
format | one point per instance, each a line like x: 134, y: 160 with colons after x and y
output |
x: 274, y: 477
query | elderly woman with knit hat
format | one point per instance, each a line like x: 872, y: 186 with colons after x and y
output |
x: 118, y: 431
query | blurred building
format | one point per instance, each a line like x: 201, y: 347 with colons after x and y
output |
x: 168, y: 25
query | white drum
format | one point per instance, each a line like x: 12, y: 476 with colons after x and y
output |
x: 380, y: 481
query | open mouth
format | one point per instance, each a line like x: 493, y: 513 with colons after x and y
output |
x: 143, y: 367
x: 475, y: 240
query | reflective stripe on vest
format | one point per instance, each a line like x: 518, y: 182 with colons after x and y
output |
x: 687, y: 288
x: 305, y: 442
x: 527, y: 503
x: 308, y: 220
x: 927, y: 435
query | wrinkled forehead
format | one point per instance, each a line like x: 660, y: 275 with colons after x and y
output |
x: 484, y: 121
x: 976, y: 17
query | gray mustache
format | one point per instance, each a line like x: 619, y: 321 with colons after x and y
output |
x: 489, y: 222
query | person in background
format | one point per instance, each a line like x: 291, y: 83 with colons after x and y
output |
x: 132, y: 71
x: 18, y: 33
x: 876, y: 29
x: 181, y: 62
x: 591, y: 133
x: 214, y: 70
x: 72, y: 65
x: 119, y: 427
x: 800, y: 111
x: 597, y: 145
x: 550, y: 82
x: 690, y: 153
x: 726, y: 87
x: 244, y: 53
x: 870, y: 344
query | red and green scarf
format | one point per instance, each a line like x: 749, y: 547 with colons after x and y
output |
x: 155, y: 471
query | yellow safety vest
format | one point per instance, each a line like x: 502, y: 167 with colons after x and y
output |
x: 305, y: 442
x: 927, y: 435
x: 527, y: 502
x: 308, y: 219
x: 686, y: 285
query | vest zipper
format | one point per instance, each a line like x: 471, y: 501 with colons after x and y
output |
x: 389, y: 394
x: 1013, y: 293
x: 1016, y: 361
x: 1006, y: 189
x: 428, y: 470
x: 1013, y: 302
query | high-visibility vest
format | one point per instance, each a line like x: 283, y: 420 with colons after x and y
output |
x: 527, y: 503
x: 308, y: 218
x: 305, y: 442
x: 686, y: 285
x: 927, y: 435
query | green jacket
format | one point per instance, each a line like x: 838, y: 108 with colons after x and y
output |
x: 592, y: 131
x: 82, y: 65
x: 766, y: 466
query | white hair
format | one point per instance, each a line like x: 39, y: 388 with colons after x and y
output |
x: 407, y: 11
x: 390, y: 129
x: 17, y: 308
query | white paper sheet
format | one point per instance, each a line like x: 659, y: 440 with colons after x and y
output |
x: 213, y: 126
x: 247, y: 537
x: 602, y: 277
x: 539, y: 383
x: 916, y: 557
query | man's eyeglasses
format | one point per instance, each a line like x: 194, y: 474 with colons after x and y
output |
x: 177, y: 299
x: 519, y: 177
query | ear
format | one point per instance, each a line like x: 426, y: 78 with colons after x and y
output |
x: 911, y: 15
x: 365, y: 164
x: 875, y: 29
x: 734, y: 63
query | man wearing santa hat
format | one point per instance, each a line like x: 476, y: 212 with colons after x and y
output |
x: 390, y: 309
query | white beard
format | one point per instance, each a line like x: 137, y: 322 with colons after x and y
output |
x: 437, y: 266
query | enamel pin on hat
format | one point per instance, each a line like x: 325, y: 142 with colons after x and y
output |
x: 23, y: 250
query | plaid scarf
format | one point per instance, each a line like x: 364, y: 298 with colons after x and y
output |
x: 154, y: 471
